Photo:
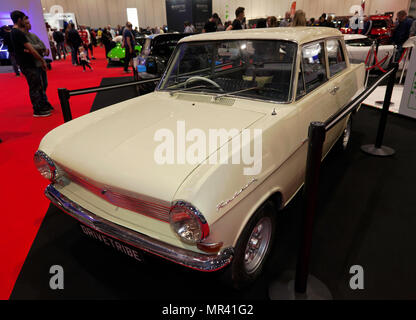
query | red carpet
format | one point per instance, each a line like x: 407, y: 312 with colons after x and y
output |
x: 22, y: 203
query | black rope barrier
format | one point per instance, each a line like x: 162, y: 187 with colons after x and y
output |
x: 65, y: 94
x: 316, y: 138
x: 300, y: 284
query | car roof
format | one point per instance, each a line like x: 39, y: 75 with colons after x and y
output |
x: 354, y: 36
x: 296, y: 34
x: 173, y: 35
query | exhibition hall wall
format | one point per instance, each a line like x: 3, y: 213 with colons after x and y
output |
x: 99, y: 13
x: 152, y: 13
x: 33, y: 9
x: 312, y: 8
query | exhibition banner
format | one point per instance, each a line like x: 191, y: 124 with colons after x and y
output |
x: 201, y: 12
x: 177, y: 12
x: 195, y: 11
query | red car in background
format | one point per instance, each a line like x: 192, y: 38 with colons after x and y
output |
x: 381, y: 27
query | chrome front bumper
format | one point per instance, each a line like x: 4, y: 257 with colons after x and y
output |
x: 194, y: 260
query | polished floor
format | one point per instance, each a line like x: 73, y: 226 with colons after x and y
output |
x: 365, y: 217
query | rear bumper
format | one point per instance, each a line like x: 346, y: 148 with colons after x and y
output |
x: 190, y: 259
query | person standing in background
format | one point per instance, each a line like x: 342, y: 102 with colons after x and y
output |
x: 85, y: 39
x: 212, y: 23
x: 368, y: 24
x: 99, y: 35
x: 74, y: 41
x: 59, y: 38
x: 239, y: 20
x: 286, y: 21
x: 129, y: 44
x: 106, y: 41
x: 111, y: 31
x: 89, y: 46
x: 271, y: 22
x: 401, y: 32
x: 299, y: 19
x: 40, y: 47
x: 12, y: 56
x: 188, y: 28
x: 26, y: 56
x: 329, y: 22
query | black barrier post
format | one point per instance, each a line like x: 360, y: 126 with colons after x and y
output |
x: 63, y: 95
x: 305, y: 286
x: 316, y: 136
x: 378, y: 149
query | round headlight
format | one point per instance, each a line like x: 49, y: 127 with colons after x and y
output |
x: 45, y: 165
x: 188, y: 223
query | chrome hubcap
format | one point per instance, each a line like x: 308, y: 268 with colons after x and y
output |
x: 257, y: 245
x: 346, y: 136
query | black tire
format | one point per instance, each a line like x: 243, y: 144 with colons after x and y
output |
x: 237, y: 275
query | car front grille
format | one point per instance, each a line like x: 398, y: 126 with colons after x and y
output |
x: 117, y: 198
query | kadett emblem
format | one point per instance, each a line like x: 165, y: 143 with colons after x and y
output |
x: 224, y: 203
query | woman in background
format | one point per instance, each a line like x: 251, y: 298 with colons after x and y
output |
x: 299, y: 20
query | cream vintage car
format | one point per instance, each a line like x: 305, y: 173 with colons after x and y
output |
x: 261, y: 88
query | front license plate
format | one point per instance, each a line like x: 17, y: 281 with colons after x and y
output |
x: 128, y: 250
x: 115, y: 59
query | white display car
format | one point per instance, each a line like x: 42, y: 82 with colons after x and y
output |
x: 262, y: 87
x: 359, y: 45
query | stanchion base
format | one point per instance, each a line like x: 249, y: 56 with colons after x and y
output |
x: 383, y: 151
x: 284, y: 289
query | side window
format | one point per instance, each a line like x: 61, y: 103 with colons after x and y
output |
x: 313, y: 63
x: 336, y: 57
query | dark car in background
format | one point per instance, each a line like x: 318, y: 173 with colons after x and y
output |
x: 4, y: 53
x: 155, y: 55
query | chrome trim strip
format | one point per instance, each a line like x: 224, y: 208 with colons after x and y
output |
x: 187, y: 258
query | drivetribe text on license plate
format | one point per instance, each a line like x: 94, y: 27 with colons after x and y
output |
x: 111, y: 242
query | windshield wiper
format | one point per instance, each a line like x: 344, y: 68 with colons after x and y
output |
x: 234, y: 92
x: 188, y: 89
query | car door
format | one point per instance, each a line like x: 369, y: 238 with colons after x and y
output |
x: 315, y: 98
x: 343, y: 80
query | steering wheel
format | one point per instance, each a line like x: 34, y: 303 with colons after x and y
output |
x: 197, y: 78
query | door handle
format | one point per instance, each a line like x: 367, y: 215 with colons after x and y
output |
x: 334, y: 90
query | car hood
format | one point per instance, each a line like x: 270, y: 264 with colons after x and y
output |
x: 115, y: 146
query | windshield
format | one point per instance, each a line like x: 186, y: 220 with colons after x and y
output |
x: 259, y: 69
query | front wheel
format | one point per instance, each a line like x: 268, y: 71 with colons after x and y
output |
x: 253, y: 247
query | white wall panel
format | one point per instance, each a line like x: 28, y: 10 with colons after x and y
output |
x: 98, y: 13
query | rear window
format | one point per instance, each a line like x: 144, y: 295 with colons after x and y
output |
x: 365, y: 42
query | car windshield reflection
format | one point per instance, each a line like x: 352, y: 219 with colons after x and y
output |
x: 259, y: 69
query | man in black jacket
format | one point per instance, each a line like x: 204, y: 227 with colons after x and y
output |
x: 59, y: 38
x: 74, y: 41
x: 401, y: 32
